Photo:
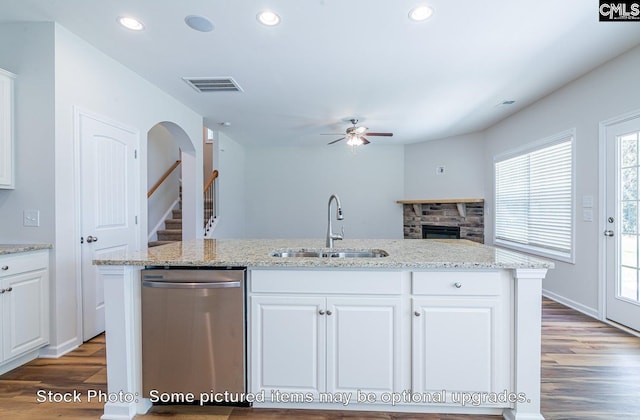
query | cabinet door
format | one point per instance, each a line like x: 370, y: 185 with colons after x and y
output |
x: 6, y: 130
x: 287, y: 344
x: 363, y: 339
x: 25, y: 311
x: 459, y: 345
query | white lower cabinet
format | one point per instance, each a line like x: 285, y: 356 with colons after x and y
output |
x: 314, y: 344
x: 24, y: 304
x: 445, y: 335
x: 461, y: 337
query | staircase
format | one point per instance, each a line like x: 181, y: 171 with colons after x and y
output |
x: 172, y: 231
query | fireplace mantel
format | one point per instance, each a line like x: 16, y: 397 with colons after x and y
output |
x: 442, y: 201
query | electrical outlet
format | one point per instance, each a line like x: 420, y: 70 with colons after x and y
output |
x: 440, y: 170
x: 31, y: 218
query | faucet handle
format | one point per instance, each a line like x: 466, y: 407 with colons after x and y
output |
x: 342, y: 232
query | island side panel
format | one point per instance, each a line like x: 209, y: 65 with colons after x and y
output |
x: 124, y: 345
x: 527, y: 343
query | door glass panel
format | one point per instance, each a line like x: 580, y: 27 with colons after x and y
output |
x: 628, y: 269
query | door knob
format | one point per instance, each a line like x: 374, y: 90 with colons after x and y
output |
x: 608, y: 232
x: 92, y: 239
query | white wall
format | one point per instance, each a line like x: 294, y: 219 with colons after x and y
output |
x: 288, y: 189
x: 609, y: 90
x: 31, y: 59
x: 92, y: 81
x: 230, y: 161
x: 463, y: 159
x: 162, y: 153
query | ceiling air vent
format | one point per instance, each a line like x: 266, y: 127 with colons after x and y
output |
x: 213, y: 84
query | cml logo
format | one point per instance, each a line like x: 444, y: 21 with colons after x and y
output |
x: 619, y: 11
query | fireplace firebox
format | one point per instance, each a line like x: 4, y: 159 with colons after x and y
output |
x: 440, y: 232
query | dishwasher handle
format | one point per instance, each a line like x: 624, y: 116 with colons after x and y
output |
x: 190, y: 285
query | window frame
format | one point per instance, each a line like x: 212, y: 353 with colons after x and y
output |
x: 561, y: 137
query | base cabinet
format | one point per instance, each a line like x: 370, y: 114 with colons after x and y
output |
x: 460, y: 337
x: 24, y: 304
x: 313, y: 344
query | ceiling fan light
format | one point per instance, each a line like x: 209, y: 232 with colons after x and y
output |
x: 420, y: 13
x: 354, y: 140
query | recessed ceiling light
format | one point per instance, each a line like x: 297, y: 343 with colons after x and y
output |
x: 420, y: 13
x: 130, y: 23
x: 199, y: 23
x: 268, y: 18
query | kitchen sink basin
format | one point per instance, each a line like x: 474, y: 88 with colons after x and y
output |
x: 336, y: 253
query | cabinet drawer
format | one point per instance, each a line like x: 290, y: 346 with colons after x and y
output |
x: 326, y: 282
x: 22, y: 262
x: 462, y: 283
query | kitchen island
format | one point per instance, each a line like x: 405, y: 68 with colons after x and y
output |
x: 446, y: 326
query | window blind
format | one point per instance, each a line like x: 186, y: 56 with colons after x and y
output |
x: 534, y: 200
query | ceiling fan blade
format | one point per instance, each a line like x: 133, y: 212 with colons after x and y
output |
x: 331, y: 134
x: 335, y: 141
x: 379, y: 134
x: 364, y: 141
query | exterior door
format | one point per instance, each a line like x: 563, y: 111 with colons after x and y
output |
x: 622, y: 230
x: 109, y: 189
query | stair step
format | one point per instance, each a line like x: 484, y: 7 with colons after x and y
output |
x: 177, y: 214
x: 170, y: 235
x: 158, y: 243
x: 173, y: 223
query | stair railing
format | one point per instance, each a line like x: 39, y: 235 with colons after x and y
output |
x: 163, y: 178
x: 210, y: 211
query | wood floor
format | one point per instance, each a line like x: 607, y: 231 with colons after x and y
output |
x: 589, y: 371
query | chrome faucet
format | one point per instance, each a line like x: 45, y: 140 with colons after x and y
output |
x: 330, y: 235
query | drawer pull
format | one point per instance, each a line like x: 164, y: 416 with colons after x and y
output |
x: 416, y: 313
x: 458, y: 285
x: 5, y: 267
x: 329, y: 312
x: 321, y: 312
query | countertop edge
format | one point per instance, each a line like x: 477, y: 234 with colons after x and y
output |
x: 19, y: 248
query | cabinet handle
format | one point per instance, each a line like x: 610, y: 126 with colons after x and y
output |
x: 329, y: 312
x: 321, y: 312
x: 416, y: 313
x: 458, y: 285
x: 5, y: 267
x: 9, y: 289
x: 2, y: 291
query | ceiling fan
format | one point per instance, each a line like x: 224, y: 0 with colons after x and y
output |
x: 356, y: 135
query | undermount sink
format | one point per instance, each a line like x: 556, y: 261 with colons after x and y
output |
x: 336, y: 253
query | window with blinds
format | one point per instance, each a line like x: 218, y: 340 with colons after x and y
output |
x: 534, y: 199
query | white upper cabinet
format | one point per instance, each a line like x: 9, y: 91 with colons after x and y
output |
x: 6, y: 130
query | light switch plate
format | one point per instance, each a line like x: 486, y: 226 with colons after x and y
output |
x: 587, y: 215
x: 31, y: 218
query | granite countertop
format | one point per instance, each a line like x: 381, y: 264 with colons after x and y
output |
x: 6, y: 249
x: 255, y: 253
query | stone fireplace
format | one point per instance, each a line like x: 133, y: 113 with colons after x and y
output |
x: 465, y: 214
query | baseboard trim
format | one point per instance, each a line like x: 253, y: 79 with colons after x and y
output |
x: 53, y: 352
x: 593, y: 313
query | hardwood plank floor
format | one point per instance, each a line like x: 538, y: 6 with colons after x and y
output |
x: 590, y: 371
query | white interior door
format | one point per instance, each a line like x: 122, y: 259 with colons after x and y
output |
x: 622, y: 230
x: 109, y: 187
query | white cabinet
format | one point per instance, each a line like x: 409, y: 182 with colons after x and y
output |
x: 6, y: 130
x: 314, y: 343
x: 461, y: 334
x: 24, y: 304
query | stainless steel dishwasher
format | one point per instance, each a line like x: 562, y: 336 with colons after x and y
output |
x: 193, y: 333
